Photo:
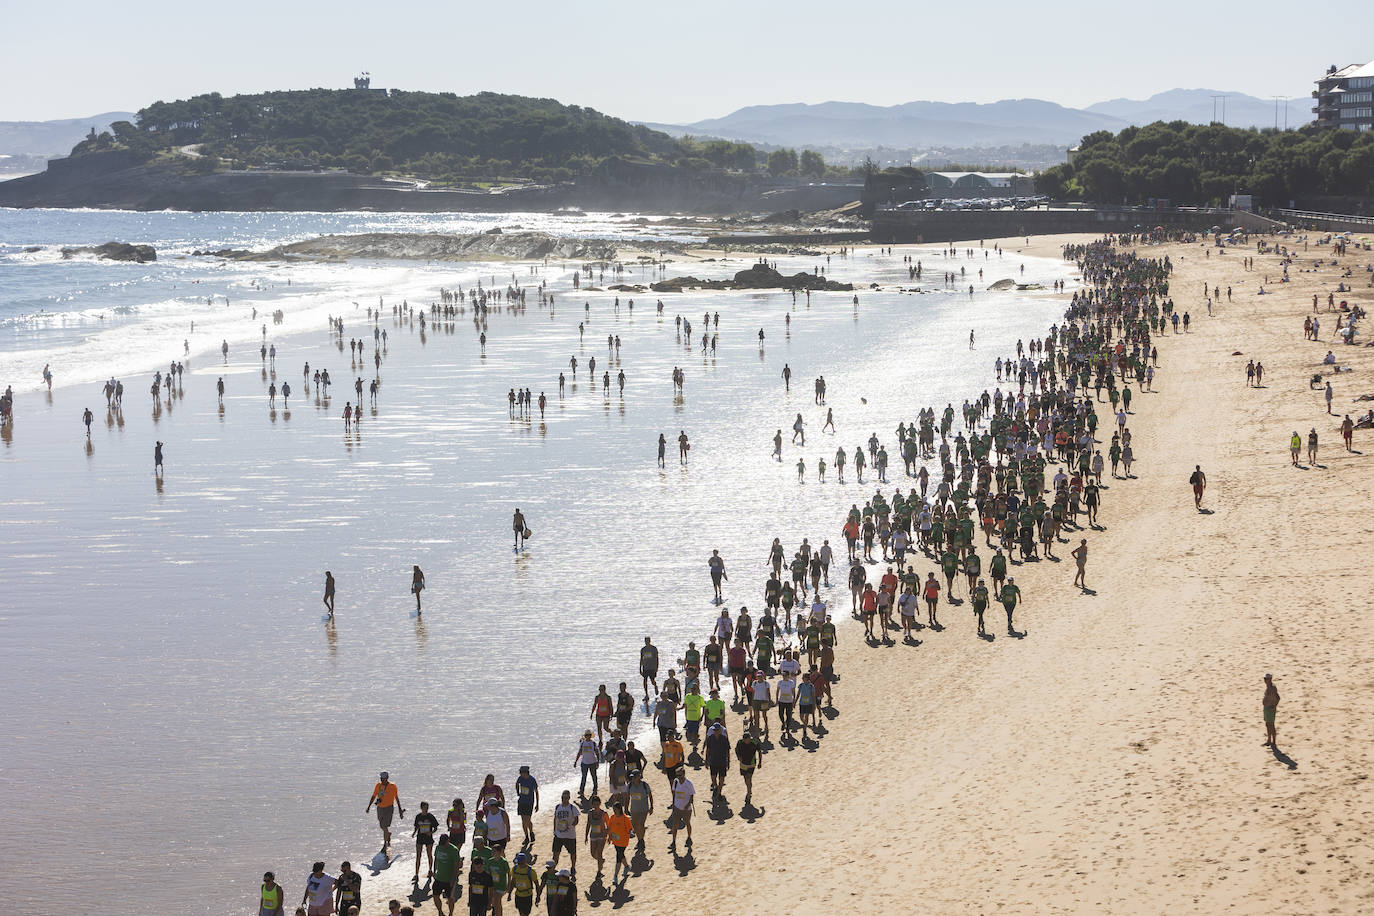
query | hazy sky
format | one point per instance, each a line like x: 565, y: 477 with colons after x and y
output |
x: 677, y: 63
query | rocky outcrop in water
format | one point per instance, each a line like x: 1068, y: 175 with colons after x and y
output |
x: 115, y: 251
x: 494, y: 244
x: 760, y: 276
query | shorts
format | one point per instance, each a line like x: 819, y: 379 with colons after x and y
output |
x: 424, y: 840
x: 718, y: 770
x: 384, y: 816
x: 524, y: 905
x: 458, y: 837
x: 443, y: 888
x: 1270, y: 712
x: 681, y: 817
x: 760, y: 705
x: 806, y: 709
x: 570, y: 844
x: 693, y: 727
x: 324, y: 909
x: 650, y: 673
x: 736, y: 670
x: 524, y: 807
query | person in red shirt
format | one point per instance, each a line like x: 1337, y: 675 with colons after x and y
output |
x: 870, y: 608
x: 932, y: 593
x: 738, y: 659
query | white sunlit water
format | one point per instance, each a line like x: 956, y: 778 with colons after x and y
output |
x: 175, y: 707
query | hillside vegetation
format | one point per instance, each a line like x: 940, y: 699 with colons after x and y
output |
x: 1200, y: 164
x: 438, y: 136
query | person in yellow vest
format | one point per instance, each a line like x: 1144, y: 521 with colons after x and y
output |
x: 270, y: 903
x: 523, y: 882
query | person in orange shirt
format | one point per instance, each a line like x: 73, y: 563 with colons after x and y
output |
x: 621, y: 829
x: 387, y: 798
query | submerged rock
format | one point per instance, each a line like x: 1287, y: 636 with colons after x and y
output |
x: 115, y: 251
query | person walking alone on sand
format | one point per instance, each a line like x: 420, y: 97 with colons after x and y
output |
x: 518, y: 524
x: 1080, y: 556
x: 1271, y: 709
x: 1199, y: 482
x: 387, y: 798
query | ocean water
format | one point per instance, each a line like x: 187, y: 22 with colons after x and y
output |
x: 175, y: 707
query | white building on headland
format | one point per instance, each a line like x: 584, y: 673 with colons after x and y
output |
x: 1345, y: 98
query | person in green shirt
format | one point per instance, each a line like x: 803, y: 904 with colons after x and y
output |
x: 949, y: 565
x: 499, y: 869
x: 693, y: 706
x: 1010, y: 596
x: 480, y: 850
x: 448, y: 863
x: 714, y: 708
x: 763, y: 651
x: 979, y: 597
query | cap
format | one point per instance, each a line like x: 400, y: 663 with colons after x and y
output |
x: 550, y: 863
x: 563, y: 873
x: 524, y: 769
x: 492, y: 802
x: 384, y: 775
x: 1268, y: 677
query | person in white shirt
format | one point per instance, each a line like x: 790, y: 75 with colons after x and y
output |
x: 787, y: 697
x: 761, y: 698
x: 565, y: 817
x: 319, y: 892
x: 684, y: 794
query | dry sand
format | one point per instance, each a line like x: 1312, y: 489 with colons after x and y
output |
x: 1110, y: 760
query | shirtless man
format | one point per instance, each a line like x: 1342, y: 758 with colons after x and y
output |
x: 1199, y: 482
x: 1271, y: 709
x: 518, y: 525
x: 1080, y: 557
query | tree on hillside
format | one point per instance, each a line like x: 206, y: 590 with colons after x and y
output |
x: 782, y: 162
x: 811, y: 164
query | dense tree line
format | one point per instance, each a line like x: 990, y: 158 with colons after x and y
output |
x: 439, y: 136
x: 1203, y: 164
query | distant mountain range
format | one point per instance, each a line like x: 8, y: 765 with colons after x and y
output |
x: 927, y: 125
x: 53, y: 138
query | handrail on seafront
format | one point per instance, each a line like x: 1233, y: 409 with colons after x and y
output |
x: 1312, y: 214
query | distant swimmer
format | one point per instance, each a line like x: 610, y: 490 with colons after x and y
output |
x: 86, y: 418
x: 518, y: 525
x: 329, y: 592
x: 417, y: 585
